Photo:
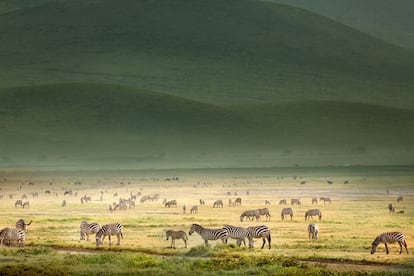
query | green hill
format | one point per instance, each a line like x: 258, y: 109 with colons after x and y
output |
x: 388, y: 20
x: 211, y: 51
x: 94, y: 125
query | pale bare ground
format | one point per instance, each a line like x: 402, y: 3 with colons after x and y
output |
x: 358, y: 212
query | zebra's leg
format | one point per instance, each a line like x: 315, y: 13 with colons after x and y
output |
x: 400, y: 244
x: 206, y: 242
x: 185, y: 242
x: 109, y: 237
x: 405, y: 245
x: 386, y: 248
x: 264, y: 241
x: 269, y: 238
x: 119, y: 239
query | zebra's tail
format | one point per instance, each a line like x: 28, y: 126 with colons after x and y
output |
x: 29, y: 223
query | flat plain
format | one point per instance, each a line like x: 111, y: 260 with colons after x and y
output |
x: 357, y: 214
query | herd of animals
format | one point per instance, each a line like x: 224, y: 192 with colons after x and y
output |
x: 17, y: 233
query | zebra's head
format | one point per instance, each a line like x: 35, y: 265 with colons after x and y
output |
x: 192, y: 229
x: 374, y: 245
x: 99, y: 237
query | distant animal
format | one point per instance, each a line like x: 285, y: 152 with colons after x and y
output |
x: 18, y: 202
x: 287, y: 212
x: 218, y: 204
x: 26, y: 204
x: 282, y: 201
x: 313, y: 212
x: 267, y: 202
x: 64, y: 203
x: 174, y: 235
x: 250, y: 214
x: 400, y: 199
x: 194, y: 210
x: 294, y: 201
x: 171, y: 203
x: 389, y: 237
x: 313, y: 231
x: 264, y: 212
x: 238, y: 201
x: 315, y: 200
x: 325, y: 200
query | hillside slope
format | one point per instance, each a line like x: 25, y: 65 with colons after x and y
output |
x: 213, y: 51
x: 94, y: 125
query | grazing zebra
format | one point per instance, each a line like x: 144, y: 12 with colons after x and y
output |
x: 264, y: 212
x: 282, y: 201
x: 209, y: 234
x: 64, y: 203
x: 313, y: 212
x: 261, y: 231
x: 238, y: 201
x: 22, y: 225
x: 267, y: 202
x: 171, y: 203
x: 391, y: 208
x: 12, y: 234
x: 88, y: 228
x: 400, y: 199
x: 108, y: 230
x: 18, y: 202
x: 313, y: 231
x: 294, y: 201
x: 325, y: 200
x: 218, y: 204
x: 285, y: 212
x: 176, y: 235
x: 238, y: 233
x: 389, y: 237
x: 202, y: 202
x: 26, y: 204
x: 250, y: 214
x: 315, y: 200
x: 194, y: 210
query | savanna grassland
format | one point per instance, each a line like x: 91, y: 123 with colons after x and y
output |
x: 358, y: 214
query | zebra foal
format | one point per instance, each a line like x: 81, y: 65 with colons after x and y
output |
x: 12, y: 234
x: 261, y: 231
x: 88, y: 228
x: 209, y: 234
x: 313, y: 231
x: 389, y: 237
x: 108, y: 230
x: 174, y: 235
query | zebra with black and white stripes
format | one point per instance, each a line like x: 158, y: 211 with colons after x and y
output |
x: 238, y: 233
x: 261, y: 231
x: 389, y: 237
x: 313, y: 231
x: 109, y: 230
x: 12, y: 234
x: 88, y: 228
x: 209, y: 234
x: 21, y: 224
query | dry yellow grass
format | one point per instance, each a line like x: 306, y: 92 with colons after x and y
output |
x: 358, y: 212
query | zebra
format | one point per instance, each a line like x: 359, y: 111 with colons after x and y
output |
x: 261, y: 231
x: 285, y: 212
x: 209, y: 234
x: 218, y: 204
x: 176, y: 235
x: 313, y: 212
x: 400, y: 199
x: 22, y: 225
x: 88, y: 228
x: 282, y: 201
x: 171, y: 203
x: 315, y: 200
x: 18, y: 202
x: 389, y: 237
x: 391, y: 208
x: 194, y: 210
x: 267, y: 202
x: 239, y: 233
x: 264, y: 212
x: 108, y: 230
x: 294, y: 201
x: 26, y: 204
x: 12, y: 234
x: 250, y: 214
x: 325, y: 200
x: 64, y: 203
x: 313, y: 231
x: 238, y: 201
